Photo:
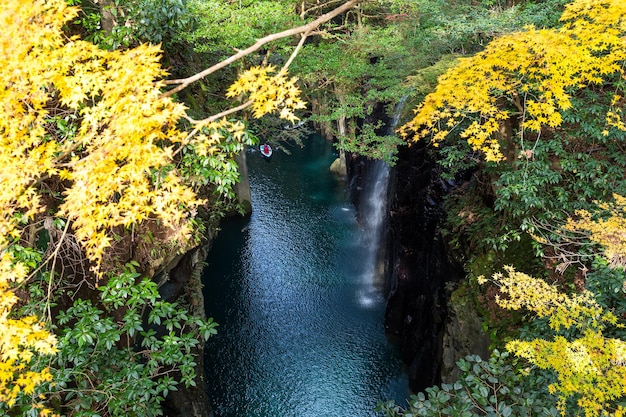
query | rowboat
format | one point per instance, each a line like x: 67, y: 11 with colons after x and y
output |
x: 266, y: 150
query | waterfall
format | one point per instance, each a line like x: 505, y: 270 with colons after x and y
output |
x: 373, y: 215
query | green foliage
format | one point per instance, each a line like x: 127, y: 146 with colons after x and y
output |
x: 609, y: 286
x: 280, y: 135
x: 486, y: 388
x: 223, y: 27
x: 436, y: 28
x: 375, y: 146
x: 570, y: 171
x: 472, y: 226
x: 154, y: 21
x: 346, y: 73
x: 424, y: 80
x: 123, y: 357
x: 579, y: 165
x: 218, y: 167
x: 550, y: 174
x: 91, y: 142
x: 135, y: 21
x: 537, y: 192
x: 345, y: 79
x: 541, y: 13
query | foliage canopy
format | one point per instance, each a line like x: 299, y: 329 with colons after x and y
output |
x: 528, y: 75
x: 548, y: 103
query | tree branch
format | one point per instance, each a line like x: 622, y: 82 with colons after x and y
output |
x: 304, y: 11
x: 225, y: 112
x: 199, y: 123
x: 295, y: 51
x: 184, y: 82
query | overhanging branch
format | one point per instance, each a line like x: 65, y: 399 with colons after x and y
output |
x: 184, y: 82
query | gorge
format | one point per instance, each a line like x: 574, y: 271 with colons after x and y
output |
x: 125, y: 128
x: 298, y: 299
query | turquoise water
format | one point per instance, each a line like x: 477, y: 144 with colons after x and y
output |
x: 301, y: 320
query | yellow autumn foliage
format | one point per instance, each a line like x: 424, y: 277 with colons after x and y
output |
x: 269, y: 93
x: 19, y: 339
x: 127, y: 130
x: 115, y: 167
x: 608, y: 231
x: 527, y: 75
x: 113, y: 158
x: 591, y: 367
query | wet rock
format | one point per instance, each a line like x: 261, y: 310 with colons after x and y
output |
x: 463, y: 335
x: 339, y: 167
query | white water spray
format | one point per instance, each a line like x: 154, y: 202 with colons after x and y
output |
x: 373, y: 214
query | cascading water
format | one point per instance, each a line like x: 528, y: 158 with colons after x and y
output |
x: 373, y: 215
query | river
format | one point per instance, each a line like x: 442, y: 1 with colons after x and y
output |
x: 300, y: 317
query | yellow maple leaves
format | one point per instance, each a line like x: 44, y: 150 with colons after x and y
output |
x: 127, y: 128
x: 19, y: 338
x: 269, y: 93
x: 527, y: 79
x: 117, y: 151
x: 528, y: 75
x: 563, y: 311
x: 124, y: 124
x: 589, y: 367
x: 609, y: 230
x: 25, y: 156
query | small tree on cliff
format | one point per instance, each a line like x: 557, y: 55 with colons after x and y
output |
x: 527, y: 79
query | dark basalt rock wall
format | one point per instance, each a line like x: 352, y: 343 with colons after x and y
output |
x: 420, y: 266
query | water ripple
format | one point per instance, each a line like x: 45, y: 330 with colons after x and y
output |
x: 301, y: 331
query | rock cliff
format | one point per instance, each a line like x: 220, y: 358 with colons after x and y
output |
x: 422, y: 268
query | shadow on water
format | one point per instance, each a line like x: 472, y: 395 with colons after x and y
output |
x: 301, y: 324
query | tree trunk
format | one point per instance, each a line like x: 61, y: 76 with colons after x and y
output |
x: 107, y: 20
x: 242, y: 188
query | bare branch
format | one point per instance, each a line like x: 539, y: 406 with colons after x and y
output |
x: 184, y: 82
x: 295, y: 51
x: 200, y: 123
x: 225, y: 112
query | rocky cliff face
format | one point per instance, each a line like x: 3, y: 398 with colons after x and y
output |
x: 421, y: 266
x: 463, y: 334
x: 434, y: 325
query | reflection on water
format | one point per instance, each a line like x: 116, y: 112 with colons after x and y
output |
x: 301, y: 325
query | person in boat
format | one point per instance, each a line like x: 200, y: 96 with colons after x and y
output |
x: 266, y: 150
